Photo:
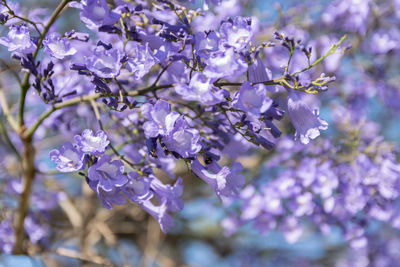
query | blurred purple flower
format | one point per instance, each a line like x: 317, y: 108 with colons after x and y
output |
x: 95, y: 13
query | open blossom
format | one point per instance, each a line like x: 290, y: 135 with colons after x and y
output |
x: 182, y: 139
x: 140, y: 60
x: 58, y: 47
x: 236, y: 32
x: 222, y: 64
x: 96, y: 13
x: 306, y: 122
x: 104, y: 63
x: 205, y: 43
x: 200, y: 89
x: 108, y: 174
x: 161, y: 118
x: 252, y: 99
x: 18, y: 40
x: 91, y: 143
x: 68, y: 158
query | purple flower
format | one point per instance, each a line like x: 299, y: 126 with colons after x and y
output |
x: 200, y: 89
x: 258, y: 73
x: 382, y: 43
x: 138, y: 188
x: 58, y: 47
x: 171, y: 194
x: 18, y: 40
x: 349, y: 14
x: 104, y: 63
x: 206, y: 43
x: 224, y: 64
x: 182, y: 139
x: 236, y: 32
x: 108, y: 198
x: 252, y: 99
x: 68, y: 158
x: 35, y: 230
x: 306, y: 122
x: 161, y: 119
x: 140, y: 61
x: 108, y: 174
x: 226, y: 182
x: 96, y: 13
x: 160, y: 213
x: 7, y: 236
x: 92, y: 144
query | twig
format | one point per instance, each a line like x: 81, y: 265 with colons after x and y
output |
x: 98, y: 118
x: 25, y: 85
x: 87, y: 98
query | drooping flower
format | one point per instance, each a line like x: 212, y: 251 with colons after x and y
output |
x: 108, y: 174
x: 226, y: 182
x: 306, y: 122
x: 58, y: 47
x: 171, y: 194
x: 104, y: 63
x: 200, y: 89
x: 160, y: 213
x: 252, y: 99
x: 161, y: 118
x: 18, y: 40
x: 91, y: 143
x: 258, y: 73
x: 68, y: 158
x: 108, y: 198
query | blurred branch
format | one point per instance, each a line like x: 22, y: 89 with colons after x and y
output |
x: 3, y: 130
x: 153, y: 239
x: 6, y: 110
x: 86, y: 258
